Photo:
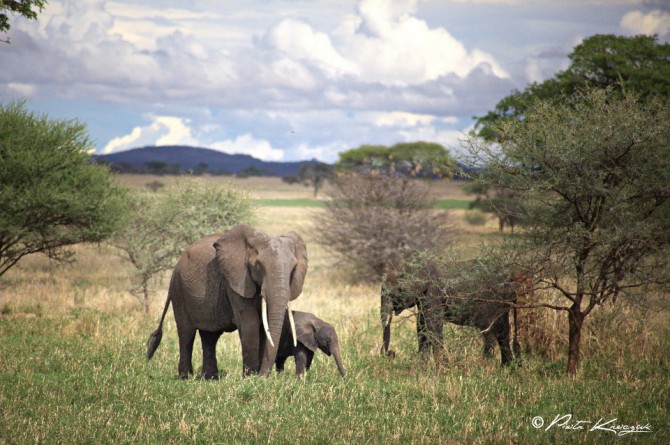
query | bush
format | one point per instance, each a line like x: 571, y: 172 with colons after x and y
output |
x: 163, y: 226
x: 475, y: 217
x: 374, y: 219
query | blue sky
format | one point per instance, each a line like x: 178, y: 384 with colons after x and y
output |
x: 293, y: 80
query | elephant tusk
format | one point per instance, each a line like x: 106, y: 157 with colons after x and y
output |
x: 264, y: 315
x: 292, y: 323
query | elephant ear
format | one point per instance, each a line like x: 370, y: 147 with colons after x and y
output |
x: 305, y: 333
x: 300, y: 271
x: 232, y: 252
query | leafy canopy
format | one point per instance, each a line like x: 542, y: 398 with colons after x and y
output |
x: 51, y: 195
x: 26, y: 8
x: 414, y: 159
x: 313, y: 173
x: 640, y: 63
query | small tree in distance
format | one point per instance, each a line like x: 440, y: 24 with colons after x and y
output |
x: 312, y: 174
x: 162, y: 226
x: 374, y: 219
x: 592, y: 171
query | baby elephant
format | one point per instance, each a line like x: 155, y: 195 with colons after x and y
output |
x: 312, y: 333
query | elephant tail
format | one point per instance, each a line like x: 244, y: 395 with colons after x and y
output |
x: 156, y: 336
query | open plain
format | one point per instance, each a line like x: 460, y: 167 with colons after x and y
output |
x: 72, y: 365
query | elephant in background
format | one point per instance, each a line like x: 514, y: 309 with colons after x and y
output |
x: 489, y: 311
x: 313, y: 333
x: 240, y: 279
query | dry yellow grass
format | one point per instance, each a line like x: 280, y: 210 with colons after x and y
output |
x: 100, y: 279
x: 275, y: 188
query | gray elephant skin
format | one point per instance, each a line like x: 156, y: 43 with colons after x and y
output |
x: 488, y: 312
x: 312, y: 334
x: 242, y: 280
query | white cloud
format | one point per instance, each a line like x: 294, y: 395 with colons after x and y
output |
x: 383, y: 43
x: 22, y: 89
x: 404, y: 119
x: 300, y: 41
x: 655, y: 22
x: 163, y: 130
x: 247, y: 144
x: 394, y: 47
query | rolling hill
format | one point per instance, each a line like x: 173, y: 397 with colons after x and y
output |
x: 178, y: 159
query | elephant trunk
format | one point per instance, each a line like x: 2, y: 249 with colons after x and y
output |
x: 276, y: 293
x: 276, y: 311
x: 386, y: 317
x: 338, y: 360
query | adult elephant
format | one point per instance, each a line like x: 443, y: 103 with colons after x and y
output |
x: 437, y: 302
x: 240, y: 279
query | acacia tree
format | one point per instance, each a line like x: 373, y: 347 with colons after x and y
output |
x: 411, y: 159
x: 592, y: 171
x: 312, y: 174
x: 162, y: 226
x: 51, y: 195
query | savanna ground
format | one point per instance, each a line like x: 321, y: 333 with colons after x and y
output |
x: 72, y: 366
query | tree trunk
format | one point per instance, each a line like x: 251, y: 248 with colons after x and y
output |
x: 575, y: 322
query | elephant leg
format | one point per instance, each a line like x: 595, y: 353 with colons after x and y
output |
x: 301, y: 359
x: 310, y: 357
x: 210, y: 369
x: 502, y: 329
x: 250, y: 330
x: 186, y: 339
x: 490, y: 341
x: 279, y: 363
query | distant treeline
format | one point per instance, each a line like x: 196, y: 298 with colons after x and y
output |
x: 166, y: 169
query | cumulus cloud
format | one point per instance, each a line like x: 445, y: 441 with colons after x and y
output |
x: 163, y: 130
x: 247, y: 144
x: 379, y: 74
x: 654, y: 22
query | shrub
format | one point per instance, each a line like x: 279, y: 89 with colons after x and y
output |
x: 161, y: 227
x: 374, y: 219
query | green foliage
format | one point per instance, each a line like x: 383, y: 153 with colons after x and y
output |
x: 162, y: 226
x: 592, y: 171
x: 252, y: 170
x: 640, y: 63
x: 312, y: 174
x: 51, y: 195
x: 475, y: 217
x: 414, y: 159
x: 25, y: 8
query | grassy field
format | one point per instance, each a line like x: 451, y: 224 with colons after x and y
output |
x: 72, y: 367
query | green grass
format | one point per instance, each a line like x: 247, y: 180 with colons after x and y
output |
x: 81, y: 377
x: 448, y: 204
x: 298, y: 202
x: 445, y: 204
